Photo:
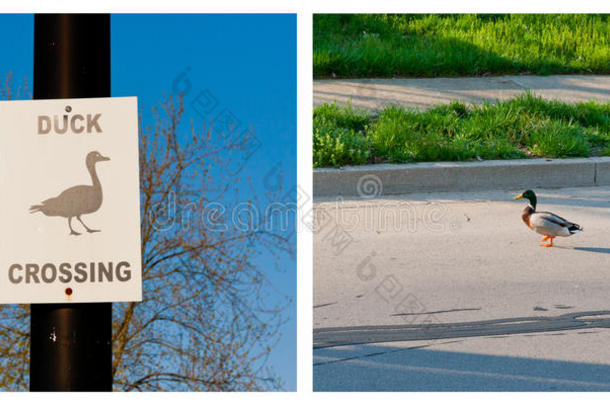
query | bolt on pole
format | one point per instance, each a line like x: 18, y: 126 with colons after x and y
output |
x: 71, y: 344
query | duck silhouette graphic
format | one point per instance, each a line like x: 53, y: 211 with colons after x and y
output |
x: 78, y: 200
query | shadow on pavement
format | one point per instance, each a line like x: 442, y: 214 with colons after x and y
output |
x: 380, y: 368
x: 593, y: 249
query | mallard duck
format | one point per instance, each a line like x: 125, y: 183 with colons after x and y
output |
x: 545, y: 223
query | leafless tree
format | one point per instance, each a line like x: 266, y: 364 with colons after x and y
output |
x: 9, y: 91
x: 209, y: 316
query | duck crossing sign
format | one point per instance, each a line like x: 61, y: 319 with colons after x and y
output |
x: 69, y: 201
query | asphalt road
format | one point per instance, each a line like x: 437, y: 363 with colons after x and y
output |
x: 451, y: 291
x: 375, y: 94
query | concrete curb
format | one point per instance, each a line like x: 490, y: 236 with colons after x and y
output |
x: 372, y: 181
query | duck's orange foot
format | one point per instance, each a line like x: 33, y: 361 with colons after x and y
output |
x: 545, y: 237
x: 550, y: 241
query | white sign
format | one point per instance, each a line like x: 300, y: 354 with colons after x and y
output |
x: 69, y: 201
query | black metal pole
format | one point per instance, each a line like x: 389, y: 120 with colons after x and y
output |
x: 71, y: 344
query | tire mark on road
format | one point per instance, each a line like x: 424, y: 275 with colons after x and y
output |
x: 323, y: 305
x: 437, y: 312
x: 328, y: 337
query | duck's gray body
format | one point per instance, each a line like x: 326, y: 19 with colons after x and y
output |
x: 547, y: 223
x: 77, y: 200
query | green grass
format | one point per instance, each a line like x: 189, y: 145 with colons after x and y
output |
x: 430, y: 45
x: 523, y: 127
x: 338, y: 136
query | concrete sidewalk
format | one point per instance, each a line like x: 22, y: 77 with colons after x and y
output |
x: 375, y: 94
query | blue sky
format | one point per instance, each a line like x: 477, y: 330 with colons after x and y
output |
x: 241, y: 65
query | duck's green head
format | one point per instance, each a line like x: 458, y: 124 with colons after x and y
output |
x: 529, y: 194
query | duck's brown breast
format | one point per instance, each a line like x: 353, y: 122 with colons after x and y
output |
x: 525, y: 216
